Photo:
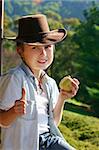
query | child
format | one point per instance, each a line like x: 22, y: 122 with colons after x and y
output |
x: 30, y: 104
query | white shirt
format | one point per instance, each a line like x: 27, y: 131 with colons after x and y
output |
x: 42, y: 108
x: 22, y: 134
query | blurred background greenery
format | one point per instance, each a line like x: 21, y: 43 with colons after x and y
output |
x: 77, y: 56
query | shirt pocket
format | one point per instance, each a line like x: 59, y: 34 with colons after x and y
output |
x: 30, y: 110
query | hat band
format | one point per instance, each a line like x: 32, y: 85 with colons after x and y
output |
x: 32, y: 38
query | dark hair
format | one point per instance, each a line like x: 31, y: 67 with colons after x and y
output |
x: 19, y: 44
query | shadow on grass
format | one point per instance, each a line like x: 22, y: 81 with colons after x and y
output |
x: 79, y: 109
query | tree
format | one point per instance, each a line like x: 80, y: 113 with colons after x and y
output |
x: 87, y: 58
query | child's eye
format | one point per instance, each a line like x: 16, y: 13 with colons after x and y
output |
x: 48, y: 46
x: 33, y: 47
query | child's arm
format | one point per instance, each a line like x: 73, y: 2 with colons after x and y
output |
x: 7, y: 117
x: 58, y: 110
x: 63, y: 95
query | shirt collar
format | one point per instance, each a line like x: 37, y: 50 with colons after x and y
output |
x: 26, y: 69
x: 29, y: 73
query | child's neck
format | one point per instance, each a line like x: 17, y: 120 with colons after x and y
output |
x: 37, y: 74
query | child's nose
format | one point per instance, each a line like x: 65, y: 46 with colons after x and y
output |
x: 43, y: 51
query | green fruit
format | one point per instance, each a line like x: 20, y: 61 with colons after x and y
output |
x: 66, y: 83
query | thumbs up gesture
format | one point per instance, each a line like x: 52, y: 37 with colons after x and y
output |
x: 20, y: 105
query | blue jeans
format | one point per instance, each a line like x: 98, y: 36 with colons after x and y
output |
x: 51, y: 142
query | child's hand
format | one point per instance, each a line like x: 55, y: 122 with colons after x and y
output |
x: 68, y: 87
x: 20, y: 105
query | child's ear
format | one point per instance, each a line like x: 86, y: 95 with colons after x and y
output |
x: 19, y: 50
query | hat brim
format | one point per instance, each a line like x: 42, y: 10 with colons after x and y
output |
x: 51, y: 37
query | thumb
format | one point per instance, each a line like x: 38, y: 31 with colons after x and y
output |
x: 23, y: 94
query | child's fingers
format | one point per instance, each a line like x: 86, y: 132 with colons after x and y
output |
x: 76, y: 81
x: 23, y: 98
x: 23, y: 94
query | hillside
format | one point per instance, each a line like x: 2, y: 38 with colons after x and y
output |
x: 66, y: 8
x: 80, y: 130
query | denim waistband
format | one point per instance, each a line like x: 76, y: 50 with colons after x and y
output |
x: 46, y: 139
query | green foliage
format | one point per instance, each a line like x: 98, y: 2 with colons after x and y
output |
x: 87, y: 58
x: 80, y: 131
x: 7, y: 26
x: 51, y: 6
x: 72, y: 22
x: 94, y: 93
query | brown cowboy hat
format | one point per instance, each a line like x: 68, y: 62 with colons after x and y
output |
x: 34, y: 30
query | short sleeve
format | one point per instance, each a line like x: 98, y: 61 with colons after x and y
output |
x: 10, y: 90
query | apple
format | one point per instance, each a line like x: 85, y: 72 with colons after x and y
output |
x: 66, y: 84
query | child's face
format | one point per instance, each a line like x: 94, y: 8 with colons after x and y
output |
x: 37, y: 57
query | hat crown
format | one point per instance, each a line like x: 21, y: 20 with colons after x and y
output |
x: 32, y: 25
x: 34, y: 30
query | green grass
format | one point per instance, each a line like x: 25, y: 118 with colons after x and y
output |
x: 80, y: 131
x: 80, y: 108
